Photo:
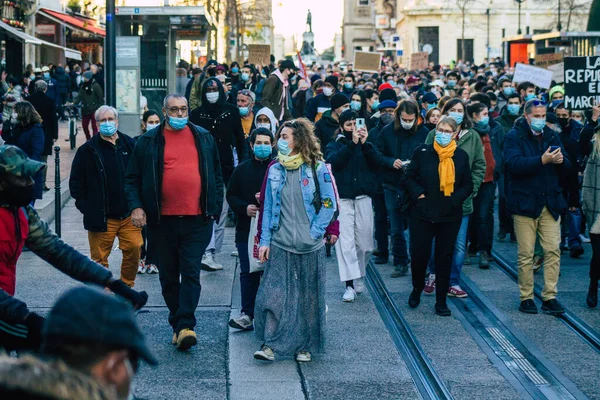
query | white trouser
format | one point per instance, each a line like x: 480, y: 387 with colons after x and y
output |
x: 216, y: 242
x: 355, y: 245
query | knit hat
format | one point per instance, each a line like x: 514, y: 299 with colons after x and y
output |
x: 556, y: 89
x: 387, y: 94
x: 314, y: 78
x: 338, y: 100
x: 88, y: 75
x: 333, y: 80
x: 429, y: 98
x: 551, y: 118
x: 387, y: 104
x: 347, y: 115
x: 384, y: 86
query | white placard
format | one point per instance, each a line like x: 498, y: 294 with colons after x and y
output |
x: 558, y: 72
x: 540, y: 77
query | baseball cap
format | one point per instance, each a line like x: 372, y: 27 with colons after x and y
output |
x: 45, y: 69
x: 429, y: 98
x: 384, y: 86
x: 14, y: 161
x: 412, y: 79
x: 37, y: 70
x: 91, y: 315
x: 387, y: 104
x: 288, y: 64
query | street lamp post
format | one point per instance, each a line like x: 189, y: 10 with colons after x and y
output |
x: 519, y: 3
x: 559, y: 25
x: 110, y: 54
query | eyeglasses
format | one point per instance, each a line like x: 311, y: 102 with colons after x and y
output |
x: 245, y: 92
x: 290, y: 124
x: 174, y: 110
x: 536, y: 103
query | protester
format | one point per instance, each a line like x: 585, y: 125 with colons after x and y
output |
x: 438, y: 181
x: 91, y: 97
x: 53, y: 89
x: 276, y: 92
x: 12, y: 95
x: 432, y: 118
x: 535, y: 158
x: 293, y: 224
x: 327, y: 126
x: 245, y: 104
x: 181, y: 80
x: 179, y: 222
x: 321, y: 103
x: 19, y: 327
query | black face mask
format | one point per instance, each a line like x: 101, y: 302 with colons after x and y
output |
x: 386, y: 118
x: 18, y: 196
x: 564, y: 122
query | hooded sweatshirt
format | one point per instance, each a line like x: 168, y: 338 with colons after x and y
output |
x: 267, y: 111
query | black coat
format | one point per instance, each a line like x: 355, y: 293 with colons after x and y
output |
x: 31, y: 140
x: 47, y: 110
x: 353, y: 166
x: 88, y: 180
x: 63, y: 80
x: 143, y: 179
x: 422, y: 177
x: 326, y: 128
x: 245, y: 182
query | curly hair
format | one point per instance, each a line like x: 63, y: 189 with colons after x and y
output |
x: 305, y: 140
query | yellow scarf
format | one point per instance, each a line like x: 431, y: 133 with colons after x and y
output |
x: 446, y: 167
x: 291, y: 162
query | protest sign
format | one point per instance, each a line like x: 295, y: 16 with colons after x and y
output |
x: 259, y: 54
x: 540, y: 77
x: 582, y: 82
x: 367, y: 61
x: 558, y: 72
x: 546, y: 60
x: 419, y: 61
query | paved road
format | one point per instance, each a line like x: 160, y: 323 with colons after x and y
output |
x: 362, y: 361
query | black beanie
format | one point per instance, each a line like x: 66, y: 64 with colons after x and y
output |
x: 388, y: 94
x: 338, y: 100
x: 347, y: 115
x: 333, y: 80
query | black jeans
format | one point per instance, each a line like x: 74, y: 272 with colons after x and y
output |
x: 398, y: 226
x: 180, y: 243
x: 148, y: 248
x: 595, y: 262
x: 381, y: 223
x: 504, y: 218
x: 422, y: 234
x: 481, y: 225
x: 249, y: 282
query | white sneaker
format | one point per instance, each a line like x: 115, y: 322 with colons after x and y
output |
x: 303, y: 356
x: 359, y: 285
x: 152, y: 269
x: 209, y: 264
x: 265, y: 354
x: 243, y: 322
x: 349, y: 295
x: 142, y: 267
x: 235, y: 253
x: 584, y: 239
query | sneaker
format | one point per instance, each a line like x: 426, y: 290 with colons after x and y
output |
x: 484, y: 260
x: 142, y: 267
x: 243, y: 322
x: 430, y: 285
x: 235, y: 253
x: 399, y: 270
x: 584, y: 239
x: 209, y: 264
x: 414, y: 299
x: 528, y: 307
x: 382, y: 259
x: 46, y: 189
x: 552, y: 307
x: 442, y: 310
x: 265, y: 353
x: 186, y: 339
x: 359, y: 285
x: 538, y: 262
x: 349, y: 295
x: 152, y: 269
x: 303, y: 356
x: 456, y: 291
x: 576, y: 252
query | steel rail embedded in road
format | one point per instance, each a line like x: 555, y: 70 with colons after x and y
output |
x: 583, y: 330
x: 426, y: 379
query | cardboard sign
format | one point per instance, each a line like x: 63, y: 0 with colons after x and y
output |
x: 582, y: 82
x: 419, y: 61
x: 259, y: 54
x: 546, y: 60
x: 558, y: 72
x: 366, y: 61
x: 540, y: 77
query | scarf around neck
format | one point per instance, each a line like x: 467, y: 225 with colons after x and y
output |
x: 290, y: 162
x: 446, y: 167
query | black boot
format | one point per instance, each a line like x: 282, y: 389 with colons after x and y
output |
x: 415, y: 298
x: 442, y: 310
x: 592, y: 296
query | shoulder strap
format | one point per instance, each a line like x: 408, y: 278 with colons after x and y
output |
x: 317, y: 203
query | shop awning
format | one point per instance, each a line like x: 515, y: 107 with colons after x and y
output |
x: 19, y: 35
x: 72, y: 22
x: 69, y: 53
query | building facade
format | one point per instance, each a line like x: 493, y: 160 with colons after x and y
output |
x: 358, y: 27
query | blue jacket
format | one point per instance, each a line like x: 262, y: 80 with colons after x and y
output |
x: 31, y: 140
x: 276, y: 176
x: 53, y: 90
x: 531, y: 186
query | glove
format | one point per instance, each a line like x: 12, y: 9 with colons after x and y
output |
x: 34, y: 324
x: 137, y: 299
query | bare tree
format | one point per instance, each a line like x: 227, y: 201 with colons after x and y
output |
x: 568, y: 12
x: 463, y: 6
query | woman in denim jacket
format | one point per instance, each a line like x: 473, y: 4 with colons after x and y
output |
x: 299, y: 203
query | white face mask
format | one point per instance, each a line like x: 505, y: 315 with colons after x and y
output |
x: 327, y: 91
x: 151, y: 126
x: 264, y: 125
x: 212, y: 97
x: 407, y: 125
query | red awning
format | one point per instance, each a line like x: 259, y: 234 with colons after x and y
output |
x: 72, y: 22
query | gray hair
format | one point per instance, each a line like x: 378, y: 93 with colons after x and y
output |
x: 529, y: 106
x: 449, y: 121
x: 172, y: 96
x: 41, y: 86
x: 103, y: 109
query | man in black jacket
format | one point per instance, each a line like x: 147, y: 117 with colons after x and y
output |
x: 166, y: 159
x: 224, y: 122
x: 242, y: 191
x: 97, y: 184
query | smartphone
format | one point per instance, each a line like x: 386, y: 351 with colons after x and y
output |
x: 360, y: 123
x: 553, y: 148
x: 405, y: 163
x: 227, y: 80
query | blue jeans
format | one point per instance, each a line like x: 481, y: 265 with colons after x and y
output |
x: 573, y: 222
x: 249, y: 282
x: 398, y: 225
x: 458, y: 258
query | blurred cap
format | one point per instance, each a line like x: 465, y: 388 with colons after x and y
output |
x: 14, y: 161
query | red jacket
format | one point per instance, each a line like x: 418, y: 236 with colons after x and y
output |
x: 11, y: 245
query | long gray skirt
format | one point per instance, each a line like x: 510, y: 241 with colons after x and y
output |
x: 289, y: 315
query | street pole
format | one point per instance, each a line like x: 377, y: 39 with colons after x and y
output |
x: 559, y: 25
x: 487, y: 45
x: 110, y: 54
x: 519, y: 3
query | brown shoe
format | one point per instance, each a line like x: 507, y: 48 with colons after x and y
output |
x: 186, y: 339
x: 174, y: 341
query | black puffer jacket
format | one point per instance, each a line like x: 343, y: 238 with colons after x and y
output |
x: 224, y: 122
x: 326, y: 128
x: 143, y: 179
x: 353, y: 166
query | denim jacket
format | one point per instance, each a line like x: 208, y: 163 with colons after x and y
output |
x: 276, y: 176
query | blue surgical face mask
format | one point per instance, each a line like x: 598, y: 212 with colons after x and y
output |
x: 32, y: 77
x: 178, y: 123
x: 556, y: 102
x: 443, y: 138
x: 355, y: 105
x: 262, y: 151
x: 451, y: 83
x: 513, y: 109
x: 508, y: 90
x: 530, y: 96
x: 46, y: 75
x: 361, y: 87
x: 375, y: 105
x: 245, y: 76
x: 348, y: 85
x: 431, y: 105
x: 244, y: 111
x: 483, y: 122
x: 538, y: 124
x: 108, y: 128
x: 235, y: 70
x: 283, y: 147
x: 458, y: 117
